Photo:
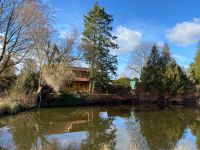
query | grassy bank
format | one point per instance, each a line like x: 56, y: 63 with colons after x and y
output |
x: 9, y: 107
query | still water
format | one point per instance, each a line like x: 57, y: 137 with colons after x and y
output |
x: 102, y: 128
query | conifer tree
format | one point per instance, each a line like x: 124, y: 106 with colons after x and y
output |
x: 162, y: 74
x: 97, y: 41
x: 166, y: 55
x: 175, y: 79
x: 166, y: 59
x: 150, y: 76
x: 196, y: 66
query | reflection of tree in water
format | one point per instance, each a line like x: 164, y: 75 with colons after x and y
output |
x: 193, y: 119
x: 157, y: 129
x: 101, y: 134
x: 27, y: 131
x: 30, y: 130
x: 138, y: 141
x: 162, y: 129
x: 195, y: 127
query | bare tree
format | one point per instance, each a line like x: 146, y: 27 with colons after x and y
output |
x: 54, y: 60
x: 139, y: 58
x: 59, y: 53
x: 26, y: 31
x: 15, y: 22
x: 57, y: 75
x: 56, y: 71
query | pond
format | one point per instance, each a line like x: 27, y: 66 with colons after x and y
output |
x: 102, y: 128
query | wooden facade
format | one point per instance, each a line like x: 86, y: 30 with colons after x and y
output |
x: 81, y: 80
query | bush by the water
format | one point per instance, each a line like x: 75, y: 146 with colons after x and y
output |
x: 24, y: 88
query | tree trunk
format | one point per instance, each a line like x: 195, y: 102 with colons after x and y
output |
x: 93, y: 84
x: 91, y: 89
x: 39, y: 90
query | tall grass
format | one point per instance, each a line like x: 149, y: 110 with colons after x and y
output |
x: 9, y: 107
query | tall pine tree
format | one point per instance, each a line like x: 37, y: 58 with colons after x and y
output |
x: 166, y: 55
x: 97, y: 41
x: 196, y: 66
x: 151, y: 74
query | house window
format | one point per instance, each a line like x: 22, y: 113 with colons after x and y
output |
x: 81, y: 85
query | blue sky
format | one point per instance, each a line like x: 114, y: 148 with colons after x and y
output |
x: 175, y: 22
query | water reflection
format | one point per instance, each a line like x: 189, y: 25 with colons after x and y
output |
x: 119, y: 127
x: 162, y: 129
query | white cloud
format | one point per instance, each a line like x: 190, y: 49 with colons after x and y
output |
x: 127, y: 39
x: 185, y: 33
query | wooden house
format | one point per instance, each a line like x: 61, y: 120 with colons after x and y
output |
x: 80, y: 82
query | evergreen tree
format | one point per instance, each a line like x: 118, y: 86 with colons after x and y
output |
x: 123, y: 82
x: 196, y: 66
x: 151, y: 74
x: 190, y: 73
x: 162, y: 74
x: 175, y: 79
x: 166, y: 59
x: 97, y: 41
x: 166, y: 55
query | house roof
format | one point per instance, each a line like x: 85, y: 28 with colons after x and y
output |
x: 80, y: 69
x: 82, y: 79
